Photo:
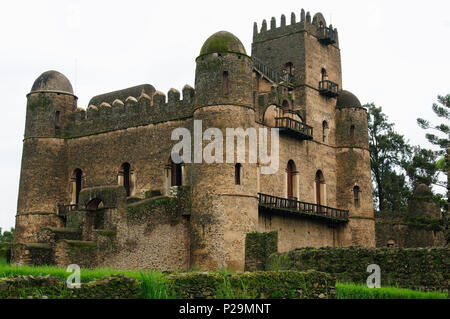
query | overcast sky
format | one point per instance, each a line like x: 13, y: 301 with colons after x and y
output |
x: 394, y: 53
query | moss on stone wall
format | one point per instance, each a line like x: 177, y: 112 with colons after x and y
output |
x: 170, y: 207
x: 264, y: 285
x: 47, y: 287
x: 423, y: 269
x: 258, y: 247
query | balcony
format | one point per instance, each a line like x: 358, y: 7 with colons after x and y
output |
x: 306, y: 210
x: 326, y: 35
x: 294, y: 128
x: 328, y: 88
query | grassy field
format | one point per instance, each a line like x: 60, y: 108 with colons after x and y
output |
x: 155, y: 287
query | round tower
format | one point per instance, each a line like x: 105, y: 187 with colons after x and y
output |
x: 43, y: 177
x: 224, y: 195
x: 354, y: 181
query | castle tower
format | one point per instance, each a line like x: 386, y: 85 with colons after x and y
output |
x: 308, y: 53
x: 224, y: 198
x: 354, y: 182
x: 43, y: 177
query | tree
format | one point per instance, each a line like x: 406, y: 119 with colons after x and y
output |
x: 6, y: 236
x: 422, y: 168
x: 389, y: 153
x: 442, y: 111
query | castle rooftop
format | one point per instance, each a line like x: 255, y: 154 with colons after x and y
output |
x: 347, y: 99
x: 52, y: 81
x: 223, y: 41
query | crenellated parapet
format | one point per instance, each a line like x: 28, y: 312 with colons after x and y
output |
x: 116, y: 110
x: 316, y: 26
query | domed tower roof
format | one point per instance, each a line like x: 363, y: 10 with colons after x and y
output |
x: 347, y: 99
x: 223, y: 41
x: 52, y: 81
x: 422, y: 190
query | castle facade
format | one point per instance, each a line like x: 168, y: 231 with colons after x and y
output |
x: 99, y: 187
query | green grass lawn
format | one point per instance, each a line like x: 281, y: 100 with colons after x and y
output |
x: 154, y: 286
x: 354, y: 291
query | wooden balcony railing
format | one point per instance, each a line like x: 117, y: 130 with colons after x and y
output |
x: 295, y: 128
x: 328, y: 88
x: 329, y: 214
x: 327, y: 35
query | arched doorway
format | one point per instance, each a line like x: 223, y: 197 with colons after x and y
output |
x: 291, y: 183
x: 76, y: 181
x: 125, y: 178
x: 320, y: 189
x: 95, y: 218
x: 176, y: 174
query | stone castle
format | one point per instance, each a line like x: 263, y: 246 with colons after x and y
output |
x: 98, y: 187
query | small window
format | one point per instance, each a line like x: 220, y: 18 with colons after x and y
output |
x: 324, y: 131
x: 225, y: 88
x: 356, y: 192
x: 176, y: 172
x: 126, y: 173
x: 57, y: 120
x: 352, y: 133
x: 285, y: 105
x: 237, y: 173
x: 324, y: 74
x: 289, y: 68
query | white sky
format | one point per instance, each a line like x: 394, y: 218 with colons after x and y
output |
x: 394, y: 53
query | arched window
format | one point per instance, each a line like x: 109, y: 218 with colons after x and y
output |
x: 77, y: 178
x: 291, y: 185
x: 320, y: 189
x: 356, y: 192
x: 237, y: 173
x: 125, y: 174
x: 289, y: 68
x: 352, y: 133
x: 324, y: 74
x: 176, y: 178
x: 324, y: 131
x: 285, y: 105
x: 57, y: 120
x: 225, y: 88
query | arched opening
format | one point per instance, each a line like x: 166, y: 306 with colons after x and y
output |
x: 57, y: 119
x: 291, y: 183
x: 225, y: 88
x: 237, y: 173
x: 95, y: 217
x: 76, y: 181
x: 324, y: 74
x: 391, y: 243
x: 356, y: 192
x: 125, y: 178
x: 176, y: 174
x: 352, y: 133
x: 289, y: 68
x: 320, y: 189
x: 324, y: 131
x: 285, y: 105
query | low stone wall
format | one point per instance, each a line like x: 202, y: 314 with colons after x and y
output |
x: 422, y: 269
x: 29, y: 287
x: 260, y: 285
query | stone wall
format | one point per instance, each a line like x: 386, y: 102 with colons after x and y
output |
x: 260, y: 285
x: 47, y: 287
x: 258, y: 248
x: 421, y: 269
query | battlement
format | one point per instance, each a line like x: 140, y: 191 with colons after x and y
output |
x: 316, y: 26
x: 114, y: 111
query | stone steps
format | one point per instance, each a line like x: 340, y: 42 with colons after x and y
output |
x: 53, y: 235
